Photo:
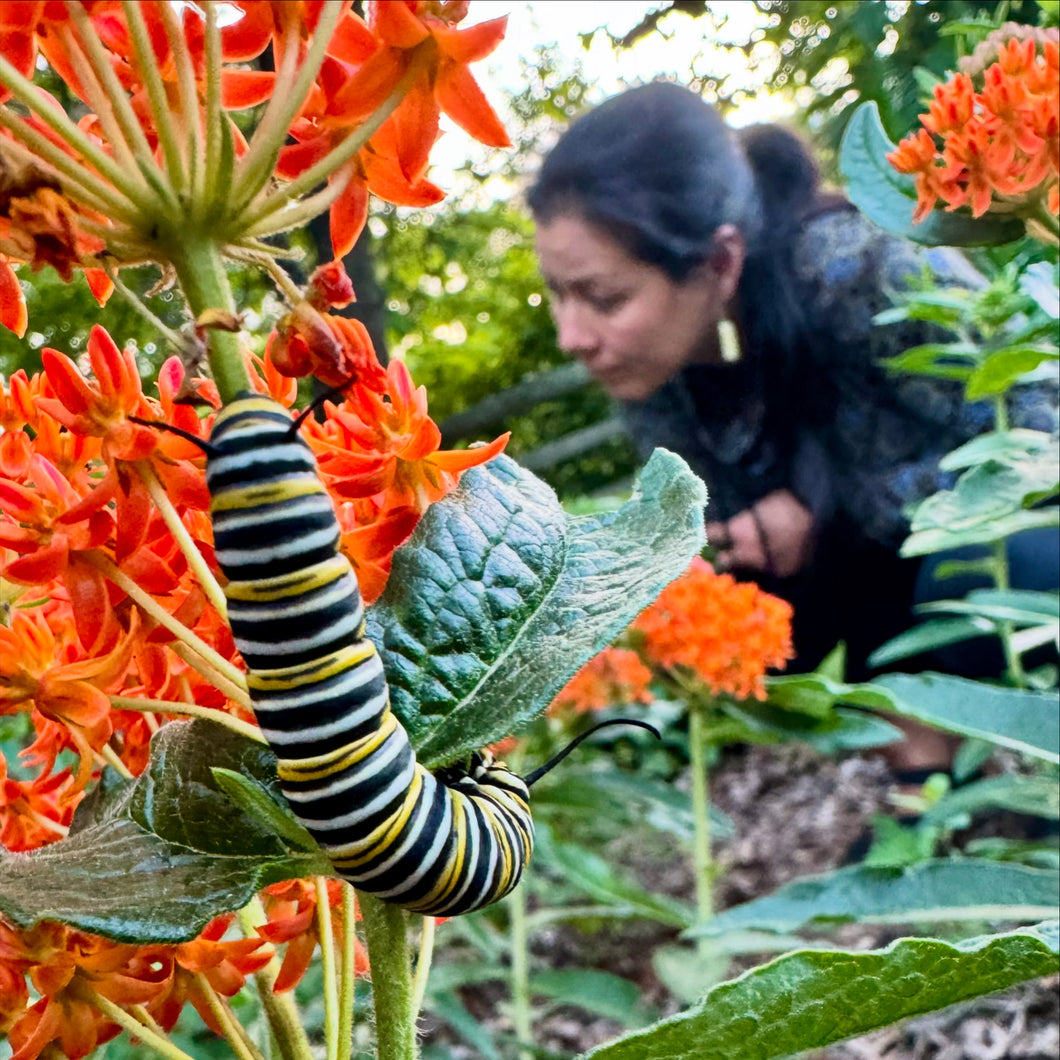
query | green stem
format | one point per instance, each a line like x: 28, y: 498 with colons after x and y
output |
x: 67, y: 130
x: 137, y: 305
x: 292, y: 85
x: 161, y: 115
x: 424, y: 956
x: 348, y: 977
x: 280, y: 1009
x: 233, y: 1030
x: 386, y: 933
x: 250, y: 219
x: 135, y: 1029
x: 77, y: 181
x: 327, y: 960
x: 188, y: 105
x: 185, y: 542
x: 522, y: 1022
x: 1014, y: 664
x: 704, y: 869
x: 233, y: 685
x: 132, y: 139
x: 191, y: 710
x: 200, y: 269
x: 148, y: 604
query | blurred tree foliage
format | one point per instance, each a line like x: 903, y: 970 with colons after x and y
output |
x: 833, y: 53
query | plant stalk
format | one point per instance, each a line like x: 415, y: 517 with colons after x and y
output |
x: 386, y: 933
x: 200, y: 269
x: 522, y: 1019
x: 348, y: 972
x: 329, y: 970
x: 135, y: 1029
x: 280, y: 1009
x: 704, y: 868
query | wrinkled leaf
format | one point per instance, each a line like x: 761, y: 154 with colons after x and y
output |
x: 931, y: 892
x: 159, y: 858
x: 889, y: 197
x: 808, y: 999
x: 499, y: 597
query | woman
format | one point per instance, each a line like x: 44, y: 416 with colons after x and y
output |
x: 712, y: 286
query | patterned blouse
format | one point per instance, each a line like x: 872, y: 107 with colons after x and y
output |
x: 865, y: 443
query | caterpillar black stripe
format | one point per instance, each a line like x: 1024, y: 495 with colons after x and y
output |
x: 440, y: 845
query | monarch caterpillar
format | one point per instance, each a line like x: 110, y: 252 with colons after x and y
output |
x: 440, y: 844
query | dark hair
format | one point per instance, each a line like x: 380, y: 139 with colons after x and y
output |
x: 659, y: 171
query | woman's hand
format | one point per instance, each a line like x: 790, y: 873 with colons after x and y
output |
x: 775, y: 536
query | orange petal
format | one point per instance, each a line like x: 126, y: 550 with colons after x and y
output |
x: 352, y: 41
x: 42, y: 566
x: 12, y: 301
x: 69, y: 385
x: 245, y: 88
x: 348, y: 215
x: 461, y: 98
x: 396, y: 25
x: 415, y: 128
x: 461, y: 459
x: 100, y: 284
x: 471, y: 44
x: 385, y: 179
x: 250, y: 36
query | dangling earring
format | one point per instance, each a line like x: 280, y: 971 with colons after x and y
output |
x: 729, y: 341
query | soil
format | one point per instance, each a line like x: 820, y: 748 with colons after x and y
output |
x: 795, y: 813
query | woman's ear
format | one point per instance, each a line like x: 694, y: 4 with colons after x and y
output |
x: 724, y: 265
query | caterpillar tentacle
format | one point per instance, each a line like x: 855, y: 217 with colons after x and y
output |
x: 346, y: 766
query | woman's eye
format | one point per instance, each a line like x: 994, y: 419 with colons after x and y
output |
x: 606, y: 303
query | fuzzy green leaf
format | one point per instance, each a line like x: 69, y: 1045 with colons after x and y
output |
x: 930, y: 892
x: 808, y: 999
x: 500, y: 596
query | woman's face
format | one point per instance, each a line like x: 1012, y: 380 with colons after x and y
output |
x: 632, y: 326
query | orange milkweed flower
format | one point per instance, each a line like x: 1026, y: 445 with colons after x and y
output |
x: 386, y: 443
x: 726, y: 633
x: 291, y: 911
x: 49, y: 674
x: 34, y: 812
x: 996, y: 148
x: 616, y: 675
x: 365, y: 64
x: 223, y: 963
x: 67, y: 968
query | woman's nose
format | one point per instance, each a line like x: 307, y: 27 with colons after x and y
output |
x: 574, y: 332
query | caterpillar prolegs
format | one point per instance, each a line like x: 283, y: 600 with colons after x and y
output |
x: 440, y: 845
